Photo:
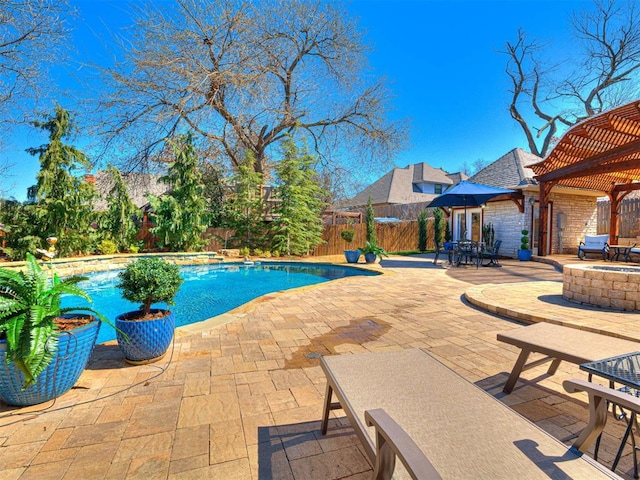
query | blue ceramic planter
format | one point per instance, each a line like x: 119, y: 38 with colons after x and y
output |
x: 525, y: 255
x: 144, y: 341
x: 370, y: 257
x: 70, y: 360
x: 352, y: 256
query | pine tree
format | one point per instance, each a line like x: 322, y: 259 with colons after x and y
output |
x: 118, y: 220
x: 244, y: 208
x: 64, y: 202
x: 437, y: 227
x: 181, y: 215
x: 298, y: 227
x: 371, y: 224
x: 422, y: 231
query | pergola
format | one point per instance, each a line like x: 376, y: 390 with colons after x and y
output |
x: 601, y: 153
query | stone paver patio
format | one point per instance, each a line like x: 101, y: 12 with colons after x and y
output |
x: 243, y: 399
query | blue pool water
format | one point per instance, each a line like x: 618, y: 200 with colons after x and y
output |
x: 209, y: 290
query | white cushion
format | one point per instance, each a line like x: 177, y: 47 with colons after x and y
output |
x: 595, y: 241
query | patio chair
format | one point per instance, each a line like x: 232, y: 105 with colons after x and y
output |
x: 438, y: 424
x: 594, y: 244
x: 442, y: 249
x: 491, y: 253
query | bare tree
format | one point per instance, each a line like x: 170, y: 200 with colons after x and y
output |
x: 31, y: 32
x: 475, y: 166
x: 604, y: 73
x: 243, y: 74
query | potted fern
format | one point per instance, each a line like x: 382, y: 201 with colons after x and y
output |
x: 44, y: 347
x: 372, y: 251
x: 144, y: 335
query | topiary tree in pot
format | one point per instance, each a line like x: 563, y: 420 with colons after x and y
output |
x: 348, y: 235
x: 524, y: 253
x: 44, y: 347
x: 145, y: 334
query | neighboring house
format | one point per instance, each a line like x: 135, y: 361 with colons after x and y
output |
x: 572, y: 213
x: 138, y: 186
x: 404, y: 192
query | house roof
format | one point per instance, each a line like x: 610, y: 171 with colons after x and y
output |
x: 138, y: 186
x: 509, y: 171
x: 397, y: 186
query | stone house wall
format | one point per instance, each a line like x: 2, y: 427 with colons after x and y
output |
x: 508, y: 222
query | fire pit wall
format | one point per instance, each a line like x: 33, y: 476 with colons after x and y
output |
x: 616, y: 287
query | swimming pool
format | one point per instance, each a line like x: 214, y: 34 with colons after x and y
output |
x: 209, y: 290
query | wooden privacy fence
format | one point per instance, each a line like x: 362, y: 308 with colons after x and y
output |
x: 393, y: 237
x: 629, y: 225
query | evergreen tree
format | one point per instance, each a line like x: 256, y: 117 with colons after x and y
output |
x: 213, y: 181
x: 180, y: 215
x: 437, y: 227
x: 298, y: 227
x: 371, y: 224
x: 245, y: 206
x: 65, y: 207
x: 422, y: 231
x: 118, y: 220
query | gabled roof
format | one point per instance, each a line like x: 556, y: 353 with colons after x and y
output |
x: 509, y: 171
x: 138, y: 186
x: 397, y: 186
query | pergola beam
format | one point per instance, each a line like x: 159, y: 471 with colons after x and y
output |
x: 593, y: 165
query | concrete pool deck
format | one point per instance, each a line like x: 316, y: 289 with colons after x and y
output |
x: 241, y: 396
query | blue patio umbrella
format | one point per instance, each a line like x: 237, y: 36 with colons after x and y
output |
x: 468, y: 194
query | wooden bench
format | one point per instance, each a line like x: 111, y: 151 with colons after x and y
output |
x: 453, y: 428
x: 560, y: 343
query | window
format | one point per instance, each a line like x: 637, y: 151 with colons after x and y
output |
x: 437, y: 188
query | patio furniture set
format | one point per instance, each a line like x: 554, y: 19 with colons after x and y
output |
x: 465, y: 252
x: 407, y: 405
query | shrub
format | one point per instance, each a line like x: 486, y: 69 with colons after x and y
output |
x: 107, y: 247
x: 524, y: 241
x: 150, y: 280
x: 133, y: 249
x: 348, y: 234
x: 257, y: 252
x: 244, y: 252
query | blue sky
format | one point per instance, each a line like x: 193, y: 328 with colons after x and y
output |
x: 441, y: 58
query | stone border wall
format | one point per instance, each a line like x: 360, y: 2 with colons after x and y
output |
x: 602, y: 288
x: 99, y: 263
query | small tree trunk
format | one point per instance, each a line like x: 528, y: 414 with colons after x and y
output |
x: 147, y: 307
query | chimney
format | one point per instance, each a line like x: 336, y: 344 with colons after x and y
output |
x: 90, y: 178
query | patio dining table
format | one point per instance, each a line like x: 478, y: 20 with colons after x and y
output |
x: 624, y: 370
x: 466, y: 252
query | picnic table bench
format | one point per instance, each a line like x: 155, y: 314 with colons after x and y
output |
x: 560, y: 343
x: 453, y: 428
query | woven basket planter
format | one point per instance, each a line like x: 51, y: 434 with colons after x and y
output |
x: 70, y: 360
x: 144, y: 341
